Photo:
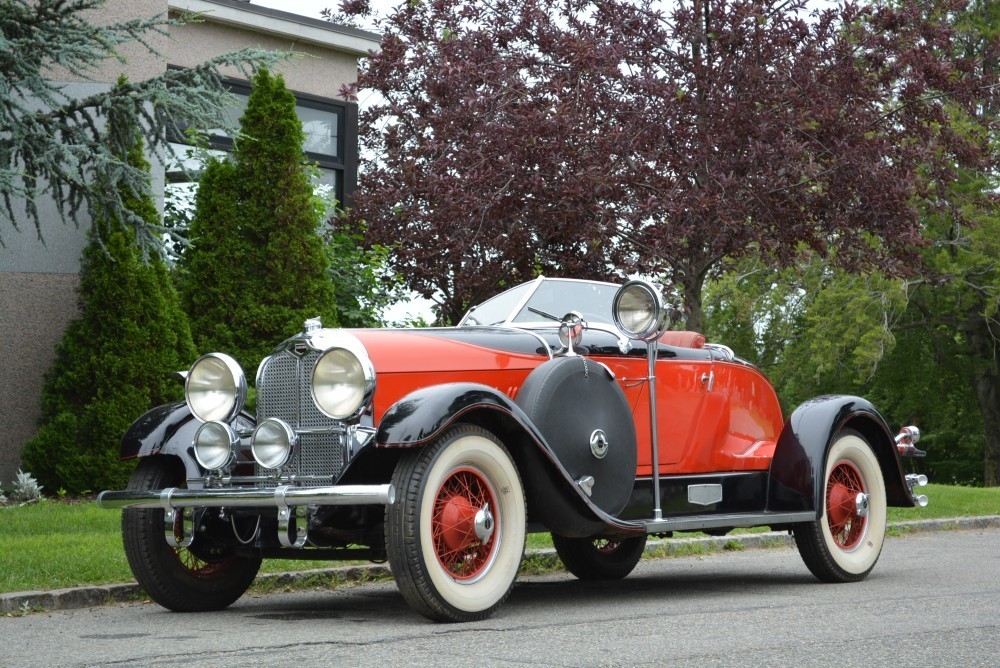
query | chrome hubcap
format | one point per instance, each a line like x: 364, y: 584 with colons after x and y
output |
x: 484, y: 524
x: 861, y: 505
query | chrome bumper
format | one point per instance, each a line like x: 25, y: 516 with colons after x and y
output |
x: 291, y: 503
x: 277, y: 497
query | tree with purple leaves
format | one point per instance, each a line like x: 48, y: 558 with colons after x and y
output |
x: 602, y: 137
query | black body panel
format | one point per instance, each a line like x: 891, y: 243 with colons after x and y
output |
x: 169, y: 429
x: 741, y: 493
x: 595, y: 342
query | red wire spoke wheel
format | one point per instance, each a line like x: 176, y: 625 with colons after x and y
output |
x: 463, y: 523
x: 847, y: 527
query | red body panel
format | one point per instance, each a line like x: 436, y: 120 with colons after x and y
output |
x: 712, y: 416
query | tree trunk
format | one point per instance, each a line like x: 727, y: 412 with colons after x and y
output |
x: 985, y: 380
x: 691, y: 284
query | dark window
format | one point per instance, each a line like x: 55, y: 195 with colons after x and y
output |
x: 330, y: 127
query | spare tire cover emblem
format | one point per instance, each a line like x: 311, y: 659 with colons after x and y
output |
x: 599, y: 444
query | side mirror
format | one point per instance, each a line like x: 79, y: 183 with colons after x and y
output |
x: 571, y: 331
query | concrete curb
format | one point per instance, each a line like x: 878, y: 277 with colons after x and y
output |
x: 88, y: 597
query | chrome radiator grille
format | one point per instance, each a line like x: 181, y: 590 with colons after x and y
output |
x: 283, y: 392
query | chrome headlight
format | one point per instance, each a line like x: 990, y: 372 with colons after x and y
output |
x: 639, y: 311
x: 214, y: 445
x: 216, y: 388
x: 272, y: 443
x: 342, y: 383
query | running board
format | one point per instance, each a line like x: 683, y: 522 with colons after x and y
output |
x: 699, y: 522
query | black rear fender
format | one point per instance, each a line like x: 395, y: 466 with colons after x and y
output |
x: 799, y: 464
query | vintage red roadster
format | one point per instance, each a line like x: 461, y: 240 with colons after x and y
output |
x: 559, y: 406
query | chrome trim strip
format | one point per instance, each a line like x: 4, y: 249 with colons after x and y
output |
x: 282, y: 496
x: 545, y: 344
x: 339, y: 428
x: 318, y: 431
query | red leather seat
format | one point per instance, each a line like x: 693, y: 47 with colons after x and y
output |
x: 683, y: 339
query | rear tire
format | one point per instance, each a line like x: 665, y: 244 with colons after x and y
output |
x: 844, y: 544
x: 599, y: 558
x: 179, y: 579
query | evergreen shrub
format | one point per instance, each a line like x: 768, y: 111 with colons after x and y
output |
x: 114, y: 360
x: 256, y: 268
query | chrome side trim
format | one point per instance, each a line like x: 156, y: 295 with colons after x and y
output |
x: 545, y: 344
x: 227, y: 481
x: 278, y: 497
x: 725, y: 351
x: 694, y: 523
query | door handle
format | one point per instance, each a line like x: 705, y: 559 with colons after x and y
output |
x: 708, y: 378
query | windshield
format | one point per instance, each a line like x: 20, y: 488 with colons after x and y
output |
x: 550, y: 300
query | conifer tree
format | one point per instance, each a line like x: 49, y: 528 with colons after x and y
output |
x: 256, y: 268
x: 51, y: 143
x: 115, y: 359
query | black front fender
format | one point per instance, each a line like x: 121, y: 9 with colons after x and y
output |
x: 554, y: 497
x: 421, y: 416
x: 799, y: 464
x: 160, y: 429
x: 167, y: 430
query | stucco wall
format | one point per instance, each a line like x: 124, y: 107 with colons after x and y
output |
x: 36, y: 308
x: 138, y: 63
x: 317, y: 71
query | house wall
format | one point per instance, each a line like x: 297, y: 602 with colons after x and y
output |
x: 39, y: 278
x: 313, y: 70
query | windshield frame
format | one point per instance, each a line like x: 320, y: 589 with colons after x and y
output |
x: 469, y: 321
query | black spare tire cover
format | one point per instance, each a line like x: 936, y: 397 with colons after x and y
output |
x: 574, y: 401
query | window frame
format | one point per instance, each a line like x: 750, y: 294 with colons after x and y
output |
x: 344, y: 164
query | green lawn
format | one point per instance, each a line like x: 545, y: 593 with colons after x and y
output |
x: 53, y: 545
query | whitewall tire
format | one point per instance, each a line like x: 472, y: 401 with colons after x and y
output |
x: 845, y: 543
x: 455, y: 536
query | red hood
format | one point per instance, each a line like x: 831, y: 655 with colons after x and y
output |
x: 445, y: 350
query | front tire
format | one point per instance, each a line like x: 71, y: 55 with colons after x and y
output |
x: 599, y: 558
x: 179, y: 579
x: 844, y: 544
x: 456, y: 535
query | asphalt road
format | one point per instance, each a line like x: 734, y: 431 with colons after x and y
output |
x: 932, y: 600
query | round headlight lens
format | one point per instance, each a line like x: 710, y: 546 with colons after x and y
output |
x: 342, y: 383
x: 639, y: 312
x: 214, y: 444
x: 216, y: 388
x: 272, y: 443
